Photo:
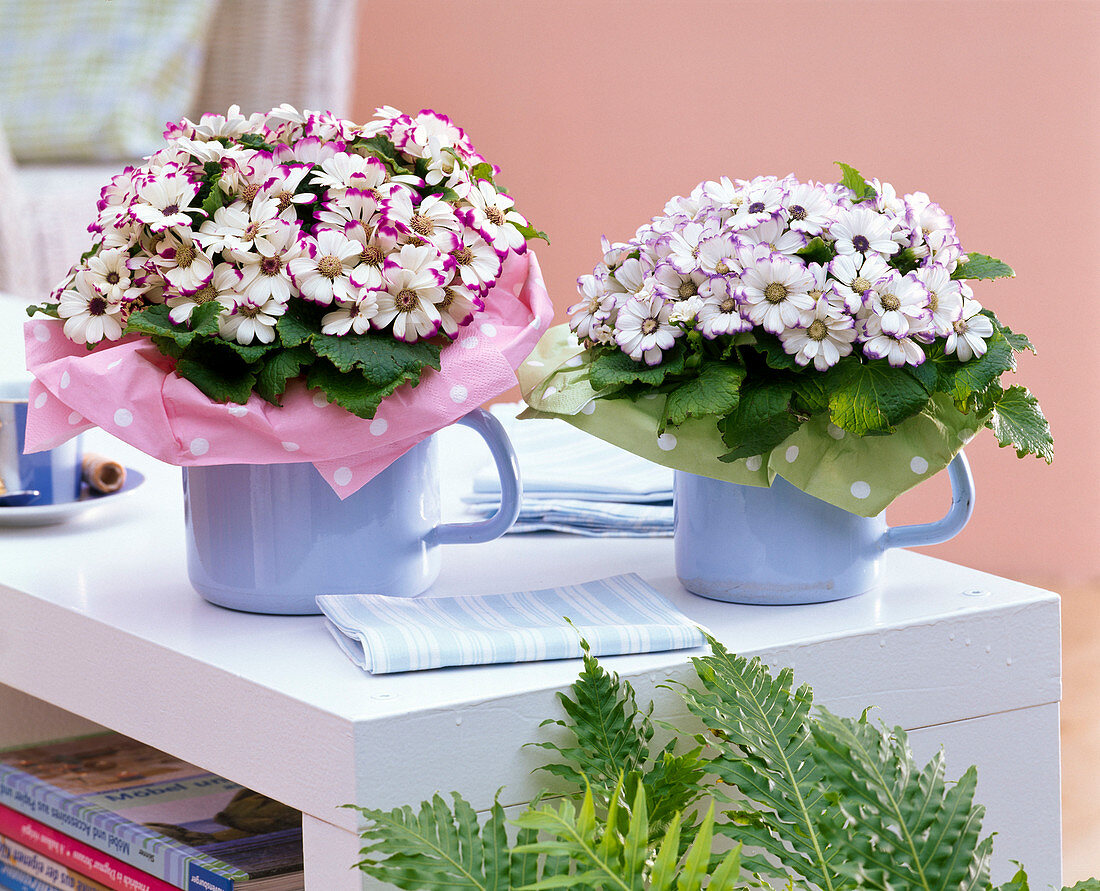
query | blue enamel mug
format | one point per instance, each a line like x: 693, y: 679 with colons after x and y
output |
x: 778, y: 545
x: 268, y: 538
x: 56, y: 474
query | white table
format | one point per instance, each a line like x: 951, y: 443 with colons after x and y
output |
x: 98, y: 623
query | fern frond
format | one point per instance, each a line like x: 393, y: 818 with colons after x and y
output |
x: 767, y: 752
x: 904, y: 827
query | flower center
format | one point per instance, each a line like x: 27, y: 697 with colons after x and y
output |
x: 593, y: 305
x: 687, y: 289
x: 756, y: 207
x: 727, y: 305
x: 271, y: 265
x: 285, y: 200
x: 797, y: 212
x: 463, y: 256
x: 933, y: 301
x: 249, y: 192
x: 330, y: 266
x: 171, y: 210
x: 721, y: 268
x: 371, y: 255
x: 817, y: 330
x: 421, y: 224
x: 495, y: 216
x: 775, y: 292
x: 112, y: 278
x: 406, y: 300
x: 861, y: 244
x: 861, y: 285
x: 97, y: 306
x: 960, y: 326
x: 250, y: 231
x: 448, y: 298
x: 248, y: 311
x: 890, y: 303
x: 205, y: 295
x: 649, y: 326
x: 185, y: 255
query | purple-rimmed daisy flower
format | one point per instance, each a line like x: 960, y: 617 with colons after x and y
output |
x: 775, y: 292
x: 643, y: 328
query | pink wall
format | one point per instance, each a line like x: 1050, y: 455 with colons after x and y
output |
x: 599, y: 110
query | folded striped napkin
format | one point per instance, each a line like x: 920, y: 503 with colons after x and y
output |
x: 574, y: 482
x: 615, y: 615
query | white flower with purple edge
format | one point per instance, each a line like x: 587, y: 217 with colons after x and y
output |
x: 323, y: 273
x: 969, y: 334
x: 643, y: 329
x: 775, y: 292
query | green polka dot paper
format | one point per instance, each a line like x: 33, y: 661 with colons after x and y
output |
x: 862, y: 475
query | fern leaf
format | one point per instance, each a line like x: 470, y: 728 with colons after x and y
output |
x: 437, y: 847
x: 905, y: 828
x: 768, y: 754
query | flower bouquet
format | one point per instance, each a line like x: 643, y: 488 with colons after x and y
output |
x: 272, y: 288
x: 826, y: 333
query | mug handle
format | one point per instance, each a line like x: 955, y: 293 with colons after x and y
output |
x: 962, y: 506
x: 511, y: 490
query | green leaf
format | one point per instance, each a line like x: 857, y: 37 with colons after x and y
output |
x: 1019, y: 422
x: 715, y: 391
x: 766, y: 751
x: 961, y: 379
x: 278, y: 368
x: 299, y: 324
x: 528, y: 231
x: 853, y: 179
x: 1085, y: 885
x: 811, y: 394
x: 219, y: 372
x: 872, y: 398
x: 155, y: 321
x: 614, y: 368
x: 213, y: 201
x: 47, y: 309
x: 1018, y: 342
x: 381, y: 359
x: 437, y: 847
x: 981, y: 266
x: 904, y: 261
x: 484, y: 170
x: 1018, y: 882
x: 761, y: 420
x: 905, y: 827
x: 255, y: 141
x: 348, y: 389
x: 816, y: 251
x: 771, y: 348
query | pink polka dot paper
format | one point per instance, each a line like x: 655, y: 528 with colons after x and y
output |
x: 130, y: 390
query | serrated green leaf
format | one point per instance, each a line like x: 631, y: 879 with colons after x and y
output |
x: 348, y: 389
x: 219, y: 372
x: 614, y: 368
x: 1018, y: 342
x: 979, y: 266
x: 872, y: 398
x: 714, y: 391
x: 1085, y: 885
x: 278, y: 368
x: 213, y: 201
x: 1018, y: 422
x: 155, y: 321
x: 761, y: 420
x: 853, y: 179
x: 962, y: 379
x: 529, y: 232
x: 811, y: 392
x: 255, y: 141
x: 816, y: 251
x: 771, y: 348
x: 299, y: 324
x: 379, y: 357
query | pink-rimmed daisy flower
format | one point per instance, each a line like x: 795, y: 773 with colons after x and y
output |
x: 282, y: 187
x: 413, y: 286
x: 222, y: 287
x: 110, y: 272
x: 775, y: 292
x: 493, y: 213
x: 823, y: 336
x: 241, y: 226
x: 323, y: 273
x: 969, y: 333
x: 251, y: 321
x: 457, y: 308
x: 478, y: 265
x: 643, y: 329
x: 165, y: 202
x: 89, y: 316
x: 351, y: 317
x: 265, y: 277
x: 182, y: 261
x: 860, y: 230
x: 900, y: 302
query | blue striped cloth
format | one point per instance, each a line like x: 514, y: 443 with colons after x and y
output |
x: 615, y: 615
x: 574, y: 482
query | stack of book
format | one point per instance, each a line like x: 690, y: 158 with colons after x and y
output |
x: 107, y: 813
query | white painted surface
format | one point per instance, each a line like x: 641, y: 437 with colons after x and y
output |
x: 100, y: 620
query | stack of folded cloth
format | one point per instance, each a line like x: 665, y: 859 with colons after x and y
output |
x: 574, y: 482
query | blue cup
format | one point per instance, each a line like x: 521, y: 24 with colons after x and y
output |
x: 56, y: 473
x: 268, y: 538
x: 778, y: 545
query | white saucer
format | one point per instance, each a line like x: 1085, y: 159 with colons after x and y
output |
x: 48, y: 514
